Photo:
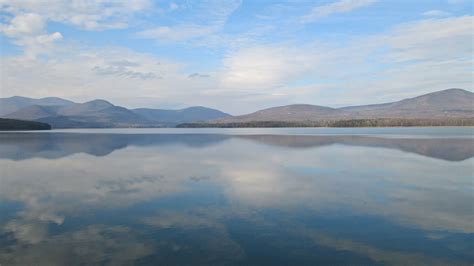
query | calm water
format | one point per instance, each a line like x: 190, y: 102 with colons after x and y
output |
x: 238, y: 197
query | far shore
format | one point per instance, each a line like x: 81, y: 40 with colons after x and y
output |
x: 381, y: 122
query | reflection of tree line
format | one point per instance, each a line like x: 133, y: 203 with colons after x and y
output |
x: 55, y: 145
x: 379, y: 122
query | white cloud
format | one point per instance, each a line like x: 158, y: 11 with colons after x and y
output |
x: 24, y: 24
x: 28, y: 20
x: 342, y: 6
x: 89, y: 15
x: 264, y: 67
x: 41, y: 44
x: 436, y: 13
x: 29, y: 31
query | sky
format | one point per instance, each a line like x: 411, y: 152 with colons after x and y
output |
x: 235, y: 55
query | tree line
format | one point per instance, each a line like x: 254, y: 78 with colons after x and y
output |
x: 379, y: 122
x: 13, y: 124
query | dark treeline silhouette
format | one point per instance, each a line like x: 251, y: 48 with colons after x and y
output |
x: 13, y: 124
x: 382, y: 122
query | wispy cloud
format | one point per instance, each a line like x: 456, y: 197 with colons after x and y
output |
x: 177, y: 33
x: 198, y: 75
x: 436, y: 13
x: 122, y: 71
x: 209, y: 17
x: 342, y: 6
x: 381, y: 64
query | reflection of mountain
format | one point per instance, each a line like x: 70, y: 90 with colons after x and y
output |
x: 442, y: 148
x: 17, y: 146
x: 55, y: 145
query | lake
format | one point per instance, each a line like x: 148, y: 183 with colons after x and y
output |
x: 358, y: 196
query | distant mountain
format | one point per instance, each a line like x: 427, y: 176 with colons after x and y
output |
x: 15, y: 103
x: 13, y: 124
x: 85, y: 108
x: 97, y: 113
x: 33, y: 112
x: 446, y: 104
x: 296, y: 112
x: 448, y: 107
x: 62, y: 113
x: 173, y: 117
x: 440, y: 104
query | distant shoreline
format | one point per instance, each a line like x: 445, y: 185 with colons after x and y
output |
x: 22, y: 125
x: 353, y: 123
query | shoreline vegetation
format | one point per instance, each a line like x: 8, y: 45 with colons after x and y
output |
x: 15, y: 124
x: 382, y: 122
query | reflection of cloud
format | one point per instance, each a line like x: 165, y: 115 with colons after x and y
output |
x: 199, y: 178
x: 179, y: 220
x: 94, y: 245
x: 211, y: 234
x: 27, y: 232
x: 340, y: 176
x: 378, y: 255
x: 253, y: 175
x: 251, y: 179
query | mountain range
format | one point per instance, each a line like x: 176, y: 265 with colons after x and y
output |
x: 447, y: 104
x: 62, y: 113
x: 451, y: 103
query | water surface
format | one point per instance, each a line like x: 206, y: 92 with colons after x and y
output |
x: 237, y: 197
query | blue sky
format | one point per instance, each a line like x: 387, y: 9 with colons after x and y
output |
x: 238, y: 56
